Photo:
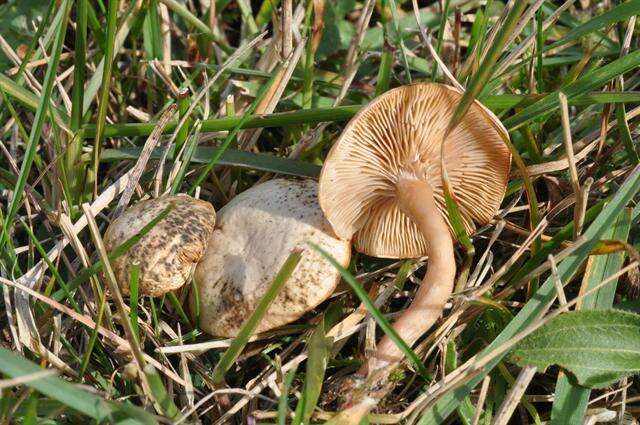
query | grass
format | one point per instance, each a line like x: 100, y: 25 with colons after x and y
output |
x: 84, y: 84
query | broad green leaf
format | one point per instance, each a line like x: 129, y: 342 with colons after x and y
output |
x: 89, y: 404
x: 598, y: 347
x: 570, y: 402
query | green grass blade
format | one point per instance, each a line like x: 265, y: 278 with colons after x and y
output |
x: 284, y: 397
x: 77, y: 94
x: 230, y: 157
x: 161, y: 395
x: 89, y: 404
x: 74, y: 169
x: 569, y: 403
x: 319, y: 351
x: 305, y: 116
x: 384, y: 72
x: 103, y: 101
x: 625, y: 134
x: 133, y: 298
x: 266, y: 9
x: 151, y: 31
x: 93, y: 338
x: 440, y: 39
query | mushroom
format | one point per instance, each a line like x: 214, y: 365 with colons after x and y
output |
x: 171, y: 248
x: 254, y: 234
x: 381, y: 184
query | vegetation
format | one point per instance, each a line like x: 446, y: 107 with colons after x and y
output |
x: 212, y: 97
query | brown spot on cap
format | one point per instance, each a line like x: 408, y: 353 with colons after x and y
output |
x: 168, y: 252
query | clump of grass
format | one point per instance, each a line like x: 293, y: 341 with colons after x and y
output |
x: 263, y: 88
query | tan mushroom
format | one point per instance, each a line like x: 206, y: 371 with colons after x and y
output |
x: 381, y: 184
x: 168, y: 253
x: 254, y: 235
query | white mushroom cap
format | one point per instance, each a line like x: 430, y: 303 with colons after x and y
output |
x: 169, y: 251
x: 254, y: 235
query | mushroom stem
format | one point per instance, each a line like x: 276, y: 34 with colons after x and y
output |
x: 416, y: 200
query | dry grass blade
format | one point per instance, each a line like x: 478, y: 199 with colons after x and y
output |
x: 8, y: 383
x: 514, y: 396
x: 270, y: 100
x: 562, y: 298
x: 117, y: 341
x: 432, y: 51
x: 578, y: 212
x: 481, y: 399
x: 351, y: 61
x: 141, y: 163
x: 287, y: 30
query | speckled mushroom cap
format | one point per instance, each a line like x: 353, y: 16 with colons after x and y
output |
x: 168, y: 252
x: 398, y: 135
x: 254, y: 235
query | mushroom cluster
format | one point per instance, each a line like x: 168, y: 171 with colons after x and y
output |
x: 381, y: 185
x: 380, y: 188
x: 236, y: 261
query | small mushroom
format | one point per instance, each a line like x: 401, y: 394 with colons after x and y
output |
x: 169, y: 251
x: 254, y: 235
x: 381, y: 184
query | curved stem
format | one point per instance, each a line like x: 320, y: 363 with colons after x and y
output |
x: 416, y: 200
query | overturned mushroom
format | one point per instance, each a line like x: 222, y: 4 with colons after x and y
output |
x: 381, y: 184
x: 254, y: 235
x: 171, y: 248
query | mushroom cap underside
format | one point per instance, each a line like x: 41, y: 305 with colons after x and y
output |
x: 398, y: 135
x: 171, y: 248
x: 254, y: 235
